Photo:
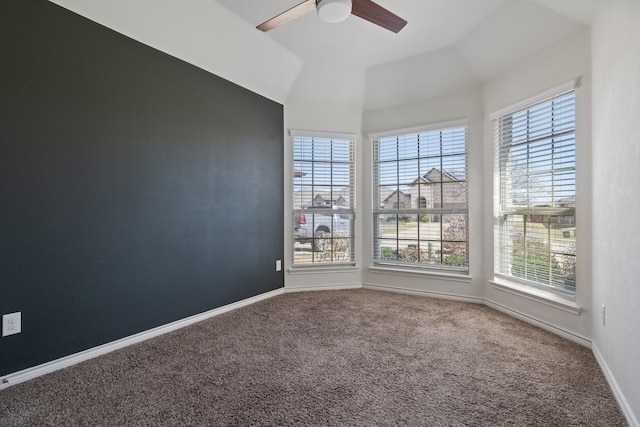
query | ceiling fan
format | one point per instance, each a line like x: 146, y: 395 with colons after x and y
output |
x: 339, y: 10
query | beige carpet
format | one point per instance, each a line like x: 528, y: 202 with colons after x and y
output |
x: 334, y: 358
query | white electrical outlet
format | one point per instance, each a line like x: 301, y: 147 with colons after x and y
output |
x: 11, y: 323
x: 278, y: 265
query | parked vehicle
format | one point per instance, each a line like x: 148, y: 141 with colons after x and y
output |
x: 316, y: 228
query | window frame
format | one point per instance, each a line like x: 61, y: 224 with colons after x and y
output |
x: 319, y: 259
x: 503, y: 209
x: 420, y: 267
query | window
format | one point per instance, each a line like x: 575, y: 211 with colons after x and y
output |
x: 420, y: 197
x: 323, y: 198
x: 535, y: 227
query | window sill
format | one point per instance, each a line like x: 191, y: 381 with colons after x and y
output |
x: 551, y: 299
x: 422, y: 273
x: 315, y: 269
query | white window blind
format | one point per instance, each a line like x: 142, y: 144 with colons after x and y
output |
x: 535, y: 229
x: 323, y: 198
x: 420, y: 212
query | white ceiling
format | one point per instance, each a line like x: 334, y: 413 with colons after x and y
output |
x: 432, y: 25
x: 446, y: 45
x: 358, y: 42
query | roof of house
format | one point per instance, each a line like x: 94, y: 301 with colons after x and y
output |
x: 394, y: 193
x: 452, y: 175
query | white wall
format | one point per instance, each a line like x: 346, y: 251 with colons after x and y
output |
x: 427, y: 76
x: 616, y: 196
x: 328, y: 85
x: 563, y: 63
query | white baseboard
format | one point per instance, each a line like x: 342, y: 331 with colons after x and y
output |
x: 541, y: 324
x: 432, y: 294
x: 64, y: 362
x: 632, y: 420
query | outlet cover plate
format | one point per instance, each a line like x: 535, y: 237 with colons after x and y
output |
x: 11, y: 323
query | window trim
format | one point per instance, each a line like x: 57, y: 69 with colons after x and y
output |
x: 322, y: 134
x: 557, y: 300
x: 546, y: 95
x: 461, y: 276
x: 451, y: 124
x: 414, y: 269
x: 522, y: 287
x: 324, y: 267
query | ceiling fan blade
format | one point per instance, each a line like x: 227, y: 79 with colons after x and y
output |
x: 372, y: 12
x: 289, y: 15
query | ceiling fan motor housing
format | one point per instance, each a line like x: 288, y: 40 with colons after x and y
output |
x: 333, y: 11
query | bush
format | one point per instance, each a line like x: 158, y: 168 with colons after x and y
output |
x: 410, y: 254
x: 387, y: 253
x: 336, y: 249
x: 455, y: 260
x: 535, y: 267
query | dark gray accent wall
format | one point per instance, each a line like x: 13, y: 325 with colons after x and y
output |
x: 135, y: 189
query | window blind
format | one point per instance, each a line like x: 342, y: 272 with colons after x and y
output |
x: 420, y: 198
x: 536, y: 189
x: 323, y: 199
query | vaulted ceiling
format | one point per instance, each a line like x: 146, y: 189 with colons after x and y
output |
x: 447, y: 45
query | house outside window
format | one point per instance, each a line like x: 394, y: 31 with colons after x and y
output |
x: 535, y: 194
x: 420, y: 214
x: 323, y: 198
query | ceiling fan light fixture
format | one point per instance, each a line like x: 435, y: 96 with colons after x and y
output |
x: 333, y: 11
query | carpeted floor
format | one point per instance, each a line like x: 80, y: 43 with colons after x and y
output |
x: 332, y: 358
